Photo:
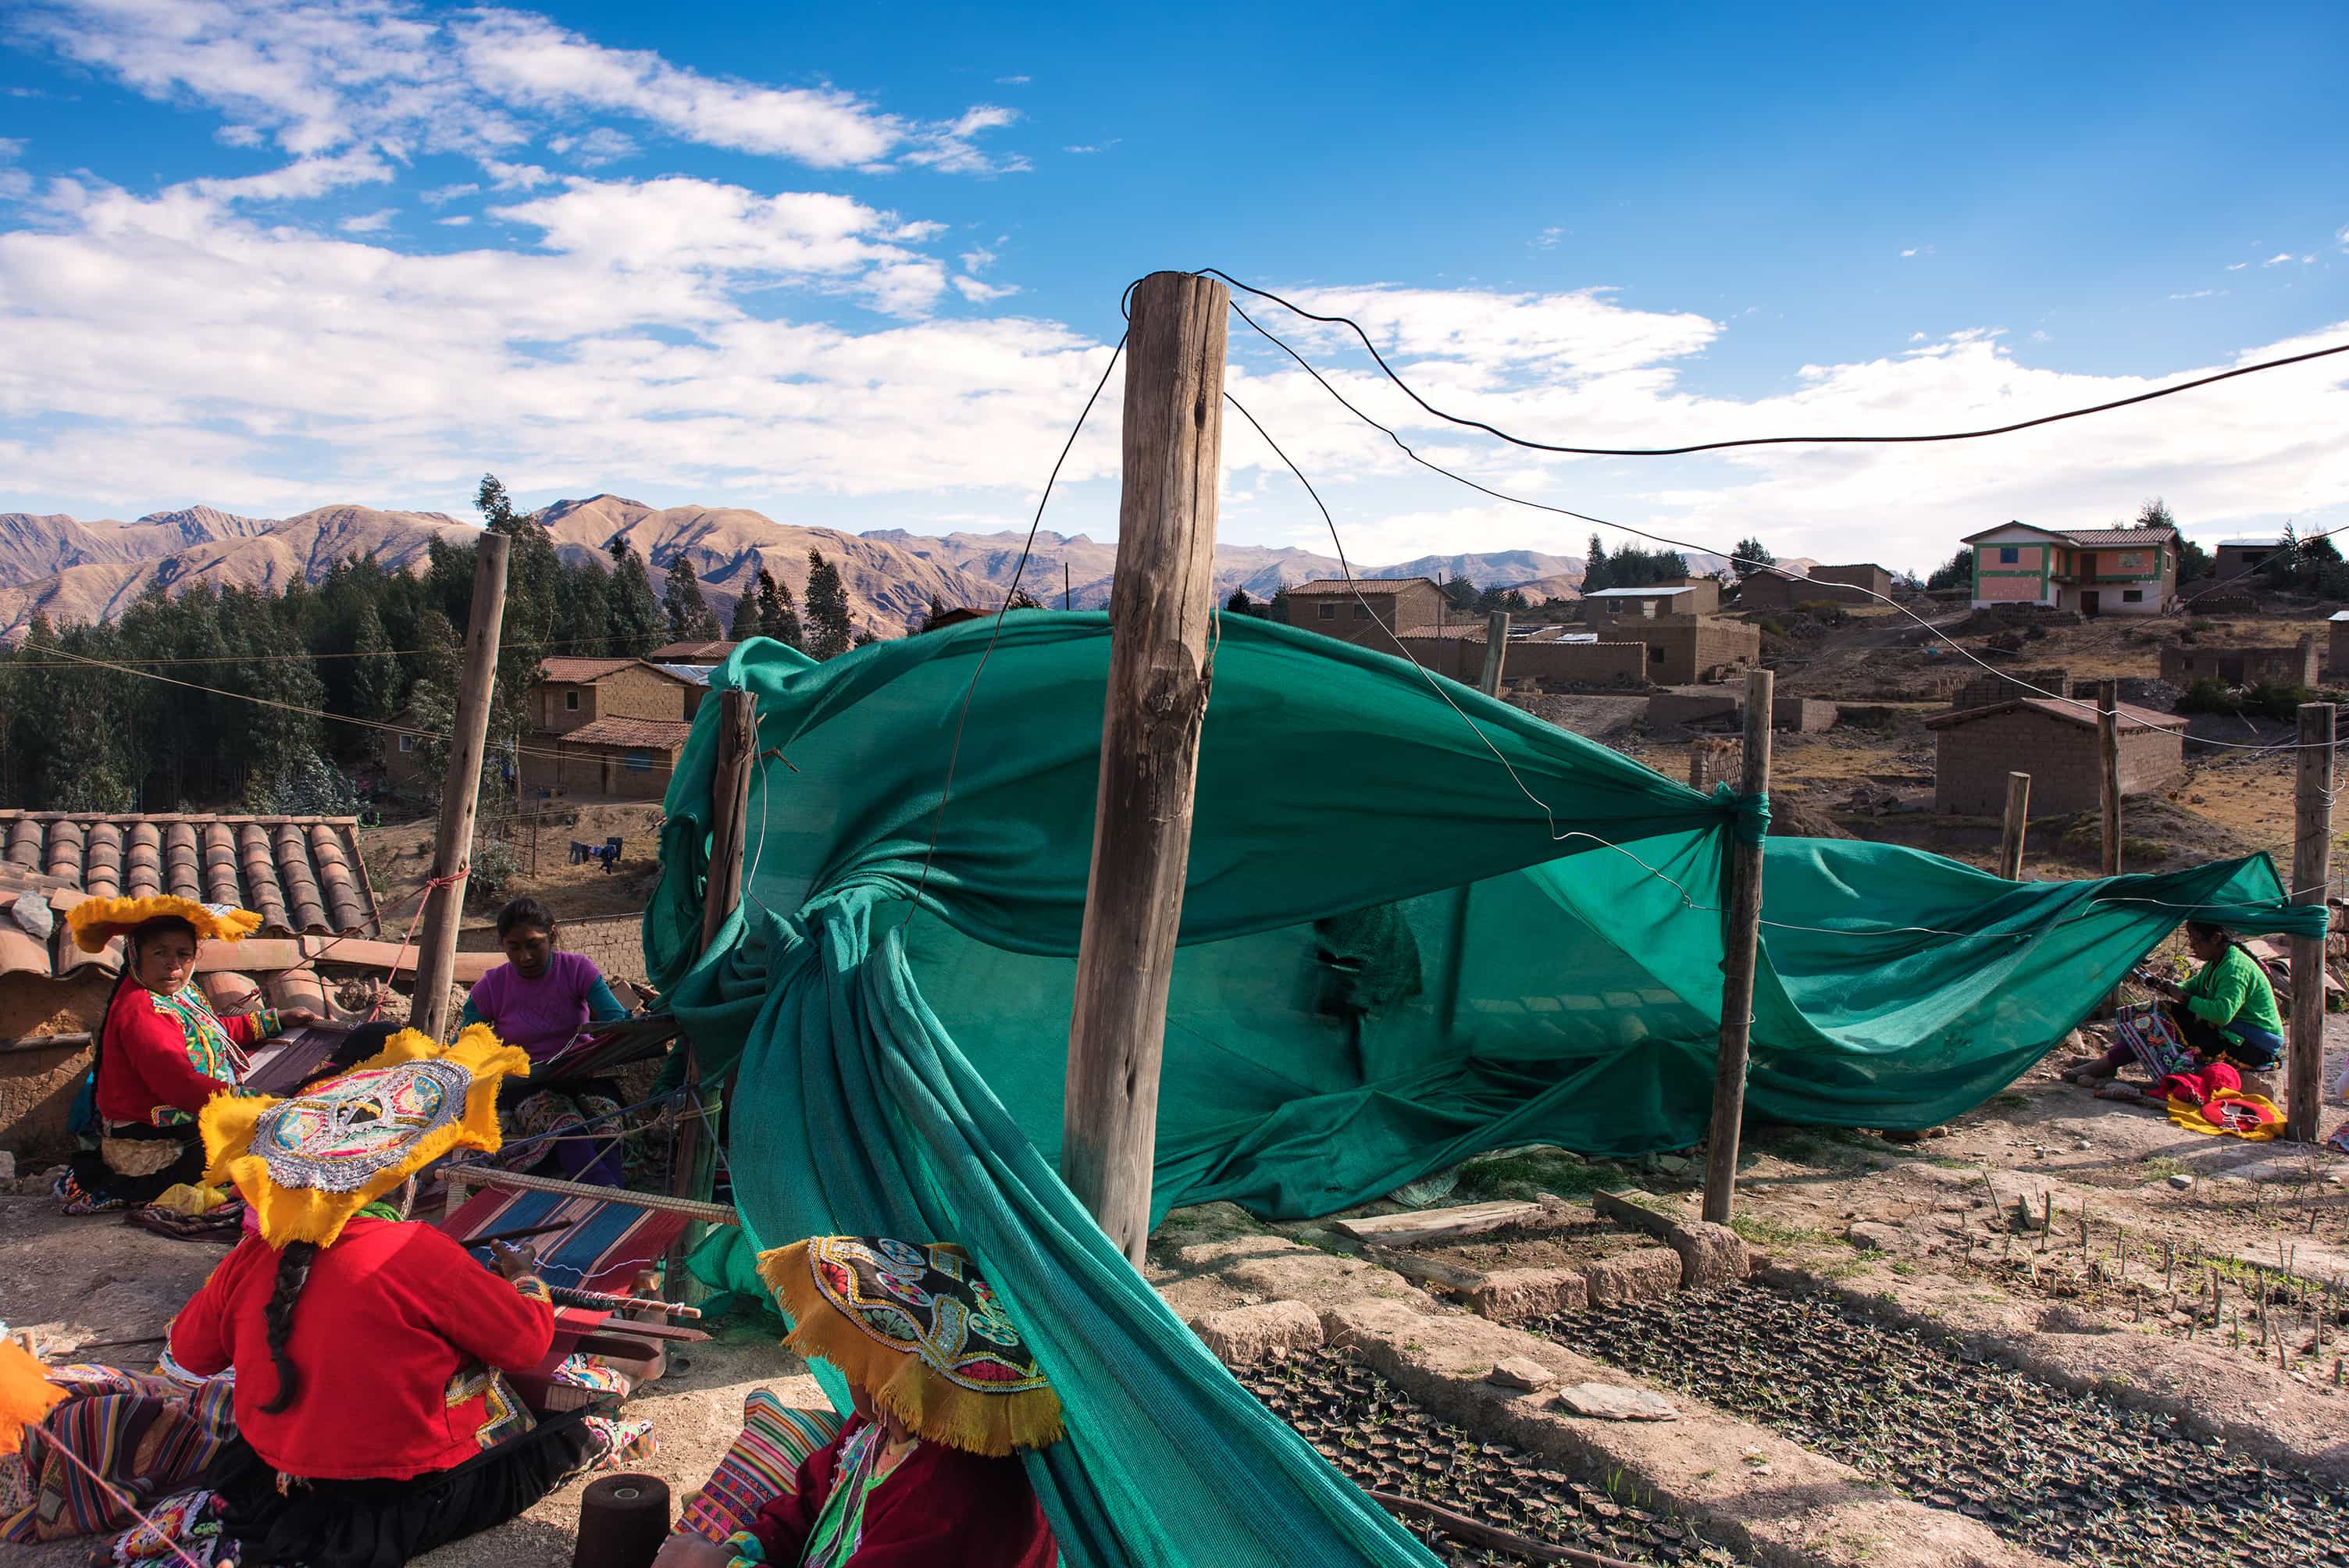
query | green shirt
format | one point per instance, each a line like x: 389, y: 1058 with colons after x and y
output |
x: 2232, y: 990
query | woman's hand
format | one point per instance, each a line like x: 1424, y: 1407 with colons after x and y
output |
x: 296, y: 1017
x: 686, y: 1550
x: 512, y: 1261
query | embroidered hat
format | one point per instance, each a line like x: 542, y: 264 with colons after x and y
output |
x: 922, y: 1333
x: 95, y: 922
x: 306, y: 1165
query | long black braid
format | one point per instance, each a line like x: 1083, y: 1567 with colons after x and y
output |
x: 293, y: 1274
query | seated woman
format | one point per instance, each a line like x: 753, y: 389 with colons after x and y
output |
x: 2225, y: 1013
x: 161, y: 1051
x: 926, y: 1470
x: 362, y: 1342
x: 539, y: 999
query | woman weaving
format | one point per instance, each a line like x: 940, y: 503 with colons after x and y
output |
x: 2226, y: 1013
x: 161, y: 1051
x: 539, y: 999
x: 926, y: 1471
x: 370, y: 1427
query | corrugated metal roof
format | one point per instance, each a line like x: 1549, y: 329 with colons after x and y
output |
x: 1657, y: 592
x: 301, y: 874
x: 2250, y: 543
x: 698, y: 673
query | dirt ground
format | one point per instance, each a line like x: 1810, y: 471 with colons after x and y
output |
x: 399, y: 858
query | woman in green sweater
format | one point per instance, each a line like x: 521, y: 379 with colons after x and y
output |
x: 2226, y: 1012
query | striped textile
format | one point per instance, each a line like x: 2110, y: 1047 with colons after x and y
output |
x: 605, y: 1248
x: 147, y: 1437
x: 764, y: 1463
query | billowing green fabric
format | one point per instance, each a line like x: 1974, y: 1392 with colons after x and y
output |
x: 1399, y: 949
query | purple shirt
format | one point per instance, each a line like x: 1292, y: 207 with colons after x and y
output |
x: 540, y: 1016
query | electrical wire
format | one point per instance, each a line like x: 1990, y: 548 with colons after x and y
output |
x: 1763, y: 440
x: 1405, y: 447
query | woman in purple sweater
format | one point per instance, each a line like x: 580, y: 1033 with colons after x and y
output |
x: 540, y: 1000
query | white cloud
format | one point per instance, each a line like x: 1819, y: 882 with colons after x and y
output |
x: 373, y: 222
x: 323, y: 75
x: 2280, y: 256
x: 1916, y: 337
x: 977, y: 260
x: 301, y: 180
x: 2237, y: 266
x: 979, y: 293
x: 441, y: 195
x: 14, y: 183
x: 1911, y: 251
x: 240, y: 136
x: 455, y: 220
x: 515, y: 176
x: 1012, y: 81
x: 598, y: 147
x: 2198, y: 293
x: 1549, y: 237
x: 1082, y: 148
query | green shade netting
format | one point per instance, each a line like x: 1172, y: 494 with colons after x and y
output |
x: 1411, y: 930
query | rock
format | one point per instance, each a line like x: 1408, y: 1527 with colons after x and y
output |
x: 7, y: 1166
x: 1871, y: 1236
x: 1643, y: 1273
x: 1242, y: 1335
x: 1674, y: 1164
x: 2182, y: 1182
x: 1711, y: 1254
x: 1614, y: 1402
x: 1509, y: 1296
x: 31, y: 913
x: 1520, y: 1372
x: 2083, y: 1145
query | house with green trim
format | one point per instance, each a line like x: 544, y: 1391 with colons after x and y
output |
x: 2095, y: 571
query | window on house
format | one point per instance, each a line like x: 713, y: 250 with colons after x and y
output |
x: 1362, y: 612
x: 2008, y: 554
x: 407, y: 743
x: 1655, y: 653
x: 2132, y: 596
x: 1329, y: 611
x: 1647, y: 609
x: 571, y: 702
x: 640, y: 761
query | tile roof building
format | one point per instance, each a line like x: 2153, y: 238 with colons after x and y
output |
x: 2092, y: 571
x: 301, y: 874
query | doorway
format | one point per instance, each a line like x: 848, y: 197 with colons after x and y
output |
x: 2091, y: 601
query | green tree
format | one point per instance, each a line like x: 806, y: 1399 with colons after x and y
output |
x: 1239, y: 604
x: 829, y: 633
x: 778, y: 617
x: 689, y: 618
x: 1749, y: 554
x: 1594, y: 575
x: 1277, y: 608
x: 631, y: 613
x: 1957, y: 571
x: 375, y: 673
x: 745, y: 625
x: 937, y: 606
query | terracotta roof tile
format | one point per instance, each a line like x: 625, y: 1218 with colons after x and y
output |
x: 1366, y: 585
x: 299, y: 874
x: 2102, y: 537
x: 617, y: 729
x: 580, y: 670
x: 677, y: 653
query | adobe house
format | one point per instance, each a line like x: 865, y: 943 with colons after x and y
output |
x: 571, y: 691
x: 2055, y: 743
x: 1681, y: 596
x: 1356, y: 612
x: 2241, y: 666
x: 2233, y: 557
x: 2091, y: 570
x: 614, y: 756
x: 2337, y: 640
x: 1550, y: 654
x: 1768, y: 589
x: 706, y: 653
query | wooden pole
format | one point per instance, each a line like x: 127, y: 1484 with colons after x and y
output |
x: 693, y: 1170
x: 2311, y: 864
x: 1740, y: 933
x: 2018, y: 815
x: 1068, y: 594
x: 2109, y: 747
x: 1496, y: 648
x: 1162, y: 608
x: 444, y: 906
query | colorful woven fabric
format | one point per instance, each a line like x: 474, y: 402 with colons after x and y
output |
x: 920, y: 1331
x: 185, y: 1525
x: 95, y: 922
x: 2153, y: 1040
x: 764, y: 1463
x: 306, y: 1165
x: 606, y: 1243
x: 146, y: 1437
x: 2250, y: 1117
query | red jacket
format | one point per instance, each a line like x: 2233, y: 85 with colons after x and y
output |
x: 392, y: 1311
x: 939, y: 1505
x: 157, y: 1055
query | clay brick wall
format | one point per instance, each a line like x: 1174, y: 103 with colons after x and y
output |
x: 1985, y: 689
x: 1768, y: 592
x: 2182, y: 667
x: 1971, y: 761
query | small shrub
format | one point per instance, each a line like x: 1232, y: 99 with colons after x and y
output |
x: 2277, y: 699
x: 2209, y: 694
x: 495, y: 867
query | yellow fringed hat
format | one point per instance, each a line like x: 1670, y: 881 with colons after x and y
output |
x: 922, y: 1333
x: 306, y: 1165
x: 25, y: 1394
x: 95, y: 922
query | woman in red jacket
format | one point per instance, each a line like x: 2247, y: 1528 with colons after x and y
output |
x: 363, y: 1344
x: 926, y: 1470
x: 161, y: 1051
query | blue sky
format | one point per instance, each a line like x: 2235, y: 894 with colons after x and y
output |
x: 859, y: 269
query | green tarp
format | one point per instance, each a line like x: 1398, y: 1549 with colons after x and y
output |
x: 1413, y: 931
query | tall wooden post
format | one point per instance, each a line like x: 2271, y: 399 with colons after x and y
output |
x: 2312, y: 866
x: 1162, y: 607
x: 452, y: 845
x: 694, y: 1166
x: 2108, y: 770
x: 1496, y: 649
x: 2018, y: 817
x: 1740, y: 933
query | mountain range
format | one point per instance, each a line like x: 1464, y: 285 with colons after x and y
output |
x: 71, y: 570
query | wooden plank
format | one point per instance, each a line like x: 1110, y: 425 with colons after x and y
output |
x: 1422, y: 1225
x: 1161, y: 613
x: 444, y: 907
x: 1496, y: 652
x: 2108, y: 772
x: 2018, y: 817
x: 2312, y: 867
x: 1434, y: 1272
x: 1740, y: 936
